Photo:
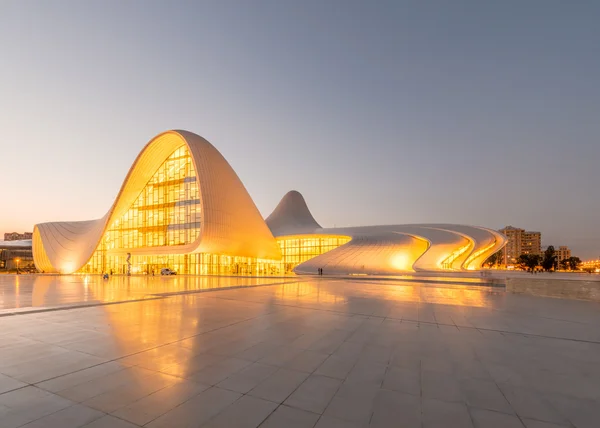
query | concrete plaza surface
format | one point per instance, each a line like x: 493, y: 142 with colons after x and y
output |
x: 292, y: 352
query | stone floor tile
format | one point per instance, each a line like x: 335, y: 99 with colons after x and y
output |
x: 406, y: 357
x: 485, y: 395
x: 80, y: 376
x: 330, y: 343
x: 400, y: 379
x: 191, y: 366
x: 99, y: 385
x: 122, y: 396
x: 196, y: 411
x: 109, y: 421
x: 154, y: 405
x: 441, y: 386
x: 308, y: 361
x: 501, y: 337
x: 289, y: 417
x: 349, y: 351
x: 581, y: 413
x: 314, y: 394
x: 437, y: 363
x: 532, y: 423
x: 443, y: 414
x: 367, y: 373
x: 329, y: 422
x: 247, y: 378
x: 71, y: 417
x: 247, y: 412
x: 281, y: 356
x: 377, y: 354
x: 336, y: 367
x: 8, y: 383
x: 353, y: 402
x: 28, y: 404
x: 489, y: 419
x: 532, y: 404
x: 393, y: 409
x: 258, y: 351
x: 48, y: 368
x: 219, y: 371
x: 279, y: 385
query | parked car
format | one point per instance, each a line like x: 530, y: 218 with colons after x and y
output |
x: 167, y: 271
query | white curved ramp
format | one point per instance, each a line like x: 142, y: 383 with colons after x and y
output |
x: 384, y: 254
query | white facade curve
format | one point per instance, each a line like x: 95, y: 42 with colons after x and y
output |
x: 182, y: 206
x: 230, y: 223
x: 292, y: 216
x: 389, y: 249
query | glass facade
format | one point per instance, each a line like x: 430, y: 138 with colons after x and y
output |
x: 167, y: 211
x: 187, y: 264
x: 166, y: 214
x: 298, y: 249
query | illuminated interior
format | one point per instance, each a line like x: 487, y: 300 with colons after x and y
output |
x: 448, y: 261
x: 167, y: 211
x: 298, y: 249
x: 470, y: 263
x: 167, y: 214
x: 183, y: 207
x: 192, y: 264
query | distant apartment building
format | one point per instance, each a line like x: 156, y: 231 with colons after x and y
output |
x: 562, y: 253
x: 532, y: 243
x: 520, y: 241
x: 14, y: 236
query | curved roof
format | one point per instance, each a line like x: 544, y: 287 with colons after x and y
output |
x: 230, y: 223
x: 449, y: 246
x: 373, y: 254
x: 291, y: 216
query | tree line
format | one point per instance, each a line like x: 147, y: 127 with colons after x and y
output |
x: 530, y: 262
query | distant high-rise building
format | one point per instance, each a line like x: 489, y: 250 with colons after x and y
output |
x: 512, y: 250
x: 520, y: 241
x: 14, y: 236
x: 532, y: 243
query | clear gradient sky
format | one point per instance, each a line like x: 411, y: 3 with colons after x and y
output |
x: 378, y: 112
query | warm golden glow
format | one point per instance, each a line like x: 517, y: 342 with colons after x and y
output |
x: 470, y: 262
x: 298, y: 249
x: 402, y: 262
x: 447, y: 262
x: 166, y: 214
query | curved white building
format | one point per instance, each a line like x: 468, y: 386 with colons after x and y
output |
x: 182, y: 206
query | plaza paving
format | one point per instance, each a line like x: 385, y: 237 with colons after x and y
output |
x: 292, y: 352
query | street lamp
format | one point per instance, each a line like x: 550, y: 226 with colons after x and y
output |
x: 17, y: 261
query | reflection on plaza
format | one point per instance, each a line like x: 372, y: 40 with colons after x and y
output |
x: 45, y: 290
x: 22, y: 291
x: 154, y: 313
x: 151, y: 322
x: 444, y: 293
